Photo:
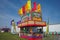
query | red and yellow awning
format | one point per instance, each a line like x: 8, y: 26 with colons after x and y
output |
x: 32, y: 24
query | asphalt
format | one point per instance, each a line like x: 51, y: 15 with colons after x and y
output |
x: 59, y: 37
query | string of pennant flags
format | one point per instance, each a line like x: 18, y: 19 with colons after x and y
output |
x: 28, y: 8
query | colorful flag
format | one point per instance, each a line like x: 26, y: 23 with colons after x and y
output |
x: 29, y: 4
x: 34, y: 5
x: 39, y: 8
x: 18, y: 22
x: 23, y: 9
x: 32, y: 9
x: 26, y: 7
x: 20, y: 12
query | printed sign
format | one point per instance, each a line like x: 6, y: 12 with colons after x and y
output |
x: 26, y: 17
x: 30, y: 22
x: 36, y: 19
x: 25, y: 23
x: 38, y: 15
x: 40, y: 23
x: 19, y: 25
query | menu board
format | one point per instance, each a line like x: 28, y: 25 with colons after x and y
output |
x: 36, y: 16
x: 40, y: 23
x: 26, y: 17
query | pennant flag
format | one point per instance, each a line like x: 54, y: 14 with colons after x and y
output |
x: 29, y: 4
x: 26, y: 7
x: 20, y: 12
x: 23, y: 9
x: 34, y: 5
x: 18, y: 22
x: 32, y: 9
x: 39, y: 8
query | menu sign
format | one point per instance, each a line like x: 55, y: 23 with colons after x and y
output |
x: 25, y: 23
x: 40, y: 23
x: 36, y: 17
x: 30, y: 22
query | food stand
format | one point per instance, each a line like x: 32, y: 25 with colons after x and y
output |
x: 31, y: 26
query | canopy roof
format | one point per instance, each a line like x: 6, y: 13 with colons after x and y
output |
x: 32, y: 24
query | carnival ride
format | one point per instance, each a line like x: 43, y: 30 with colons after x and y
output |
x: 31, y: 25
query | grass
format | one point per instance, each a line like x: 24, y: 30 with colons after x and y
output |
x: 9, y: 36
x: 49, y: 37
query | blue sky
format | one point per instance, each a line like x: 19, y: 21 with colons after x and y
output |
x: 9, y: 11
